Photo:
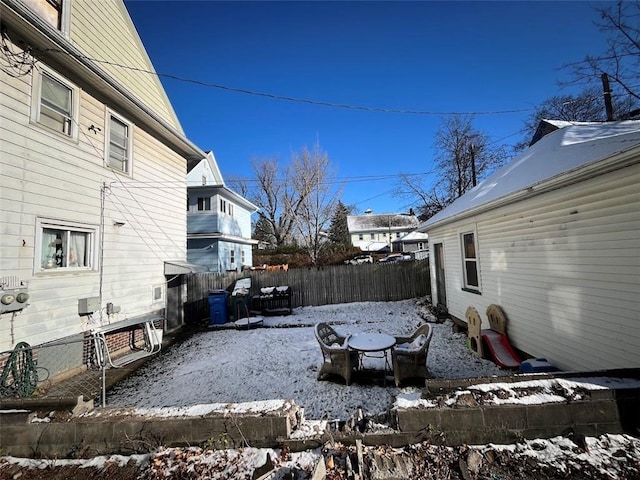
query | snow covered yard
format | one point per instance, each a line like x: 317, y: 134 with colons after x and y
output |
x: 224, y: 366
x: 231, y: 366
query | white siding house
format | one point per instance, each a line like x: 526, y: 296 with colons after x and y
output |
x: 554, y: 239
x: 218, y: 220
x: 377, y: 232
x: 94, y: 163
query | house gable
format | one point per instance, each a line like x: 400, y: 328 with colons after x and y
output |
x: 105, y: 32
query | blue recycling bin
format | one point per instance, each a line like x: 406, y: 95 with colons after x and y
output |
x: 217, y: 306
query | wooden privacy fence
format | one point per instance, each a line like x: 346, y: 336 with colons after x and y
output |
x: 320, y: 286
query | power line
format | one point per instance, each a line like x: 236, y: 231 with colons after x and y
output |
x: 286, y: 97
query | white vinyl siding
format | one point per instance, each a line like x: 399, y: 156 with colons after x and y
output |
x: 565, y: 267
x: 47, y: 176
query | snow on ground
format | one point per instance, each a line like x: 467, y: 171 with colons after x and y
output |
x: 230, y: 366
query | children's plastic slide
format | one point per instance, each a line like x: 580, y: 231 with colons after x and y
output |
x: 501, y: 350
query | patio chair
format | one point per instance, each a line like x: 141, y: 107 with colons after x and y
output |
x: 337, y: 358
x: 409, y: 356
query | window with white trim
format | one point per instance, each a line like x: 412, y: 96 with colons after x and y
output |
x: 119, y: 143
x: 55, y: 103
x: 470, y: 261
x: 204, y: 203
x: 65, y: 246
x: 242, y: 256
x: 54, y: 12
x: 232, y: 256
x: 223, y: 205
x: 360, y: 236
x: 157, y: 293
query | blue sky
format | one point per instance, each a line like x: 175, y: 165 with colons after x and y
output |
x: 436, y: 57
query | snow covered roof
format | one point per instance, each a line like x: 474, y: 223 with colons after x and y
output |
x: 413, y: 237
x: 566, y: 150
x: 370, y: 222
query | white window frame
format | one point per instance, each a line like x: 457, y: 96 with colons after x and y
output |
x: 42, y: 264
x: 157, y: 289
x: 43, y: 10
x: 467, y: 285
x: 223, y: 205
x: 36, y: 102
x: 206, y: 204
x: 111, y: 115
x: 243, y: 256
x: 232, y: 256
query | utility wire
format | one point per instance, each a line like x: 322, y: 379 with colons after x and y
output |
x: 285, y: 97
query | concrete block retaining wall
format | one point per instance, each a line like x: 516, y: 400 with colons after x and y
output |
x: 508, y: 423
x: 108, y: 431
x: 115, y: 432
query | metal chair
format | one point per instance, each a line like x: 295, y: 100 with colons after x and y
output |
x: 409, y: 356
x: 337, y: 358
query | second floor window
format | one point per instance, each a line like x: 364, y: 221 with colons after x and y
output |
x: 55, y: 103
x: 119, y: 145
x: 204, y: 203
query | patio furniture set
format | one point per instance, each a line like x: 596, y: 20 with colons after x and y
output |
x: 345, y: 355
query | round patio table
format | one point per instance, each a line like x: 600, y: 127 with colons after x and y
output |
x: 371, y: 342
x: 367, y: 344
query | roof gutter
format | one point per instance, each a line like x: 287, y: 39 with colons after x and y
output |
x: 35, y: 32
x: 621, y: 160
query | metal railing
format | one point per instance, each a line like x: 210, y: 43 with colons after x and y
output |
x: 65, y: 369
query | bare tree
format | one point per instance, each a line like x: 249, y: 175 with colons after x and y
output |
x: 464, y: 155
x: 621, y: 59
x: 296, y: 202
x: 317, y: 199
x: 274, y: 195
x: 586, y: 106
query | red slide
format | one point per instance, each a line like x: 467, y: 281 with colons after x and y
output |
x: 501, y: 350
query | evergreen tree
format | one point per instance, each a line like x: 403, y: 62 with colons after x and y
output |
x: 263, y: 230
x: 338, y: 230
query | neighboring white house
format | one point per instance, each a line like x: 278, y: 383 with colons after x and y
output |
x: 218, y: 220
x: 554, y: 239
x: 376, y: 233
x: 416, y: 243
x: 94, y: 162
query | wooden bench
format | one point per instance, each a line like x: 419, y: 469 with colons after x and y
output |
x: 152, y: 341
